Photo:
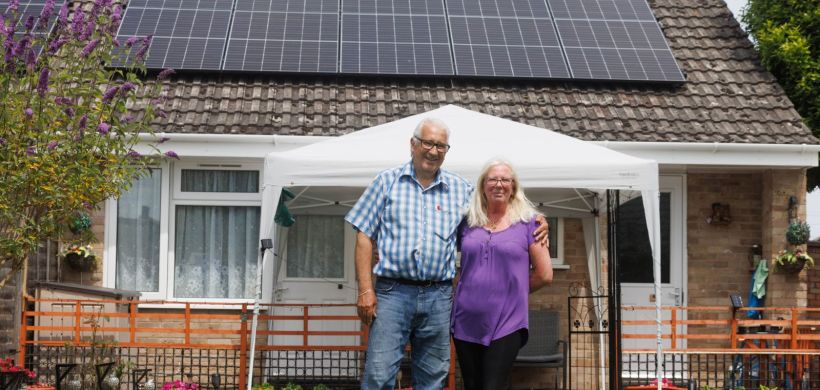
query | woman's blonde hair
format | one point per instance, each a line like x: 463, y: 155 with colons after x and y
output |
x: 520, y: 209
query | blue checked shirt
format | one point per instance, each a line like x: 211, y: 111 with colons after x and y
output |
x: 415, y: 228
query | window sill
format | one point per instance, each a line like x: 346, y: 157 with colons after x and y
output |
x: 561, y: 266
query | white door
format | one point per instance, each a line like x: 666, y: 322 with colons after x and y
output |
x: 317, y: 268
x: 635, y: 261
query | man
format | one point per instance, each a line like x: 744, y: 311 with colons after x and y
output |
x: 413, y: 211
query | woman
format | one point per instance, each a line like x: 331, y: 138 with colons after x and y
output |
x: 501, y: 264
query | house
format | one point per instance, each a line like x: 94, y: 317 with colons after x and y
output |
x: 726, y: 135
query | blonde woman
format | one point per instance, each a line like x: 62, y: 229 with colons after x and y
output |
x: 501, y: 263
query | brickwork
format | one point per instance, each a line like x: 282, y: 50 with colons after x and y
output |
x: 813, y: 279
x: 783, y: 289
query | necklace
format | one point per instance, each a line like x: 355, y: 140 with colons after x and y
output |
x: 494, y: 224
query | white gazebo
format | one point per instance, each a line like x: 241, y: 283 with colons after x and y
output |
x: 543, y: 160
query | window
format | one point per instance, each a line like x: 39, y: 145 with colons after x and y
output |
x: 556, y: 237
x: 138, y: 235
x: 192, y: 233
x: 315, y: 246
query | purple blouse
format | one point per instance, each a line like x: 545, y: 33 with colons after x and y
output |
x: 492, y: 295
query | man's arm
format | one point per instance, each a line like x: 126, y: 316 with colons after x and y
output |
x: 542, y: 232
x: 366, y: 303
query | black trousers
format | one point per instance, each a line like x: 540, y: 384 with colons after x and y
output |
x: 488, y: 368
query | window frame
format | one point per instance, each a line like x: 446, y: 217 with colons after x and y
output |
x: 559, y: 259
x: 171, y: 197
x: 110, y: 239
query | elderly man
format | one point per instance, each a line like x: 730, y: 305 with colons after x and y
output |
x: 412, y: 211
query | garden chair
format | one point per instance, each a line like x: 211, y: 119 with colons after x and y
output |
x: 544, y: 349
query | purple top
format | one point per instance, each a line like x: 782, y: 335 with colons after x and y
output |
x: 492, y: 295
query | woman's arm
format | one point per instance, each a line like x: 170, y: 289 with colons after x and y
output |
x: 541, y: 271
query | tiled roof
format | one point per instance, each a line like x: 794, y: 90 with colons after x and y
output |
x: 728, y: 96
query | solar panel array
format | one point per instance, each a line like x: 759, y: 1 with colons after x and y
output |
x: 555, y: 39
x: 395, y: 37
x: 187, y: 34
x: 613, y: 40
x: 288, y: 36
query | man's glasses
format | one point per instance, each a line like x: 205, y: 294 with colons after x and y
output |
x: 427, y: 145
x: 499, y: 180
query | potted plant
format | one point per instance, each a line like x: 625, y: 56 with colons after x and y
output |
x: 798, y: 233
x: 80, y: 257
x: 793, y: 261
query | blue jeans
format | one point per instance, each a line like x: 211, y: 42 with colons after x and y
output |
x: 420, y: 314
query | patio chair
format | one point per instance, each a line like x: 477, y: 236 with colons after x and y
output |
x: 544, y: 349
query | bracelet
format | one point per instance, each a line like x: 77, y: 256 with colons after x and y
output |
x: 365, y: 292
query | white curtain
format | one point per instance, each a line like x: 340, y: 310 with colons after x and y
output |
x: 138, y: 224
x: 316, y: 247
x: 215, y: 248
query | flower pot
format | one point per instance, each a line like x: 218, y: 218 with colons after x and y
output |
x: 81, y: 263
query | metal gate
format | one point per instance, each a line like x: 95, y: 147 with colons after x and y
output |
x: 589, y: 339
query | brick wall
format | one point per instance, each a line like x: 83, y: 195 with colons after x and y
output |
x: 813, y: 276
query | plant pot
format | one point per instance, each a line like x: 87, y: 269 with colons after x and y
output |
x: 792, y: 268
x: 81, y: 263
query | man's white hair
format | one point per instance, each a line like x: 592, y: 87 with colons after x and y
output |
x: 433, y: 122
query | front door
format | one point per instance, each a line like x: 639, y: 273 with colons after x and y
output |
x: 635, y: 262
x: 317, y: 270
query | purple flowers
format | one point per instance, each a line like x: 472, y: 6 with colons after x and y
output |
x: 62, y: 18
x: 163, y: 140
x: 2, y: 141
x: 172, y: 154
x: 45, y: 15
x: 162, y: 114
x: 52, y: 145
x: 131, y: 41
x: 126, y: 87
x: 103, y: 128
x: 69, y: 112
x: 109, y: 94
x: 165, y: 74
x: 82, y: 123
x: 29, y: 112
x: 143, y: 50
x: 89, y: 47
x: 133, y: 154
x: 62, y: 100
x: 13, y: 5
x: 77, y: 23
x: 42, y: 84
x: 31, y: 150
x: 56, y: 44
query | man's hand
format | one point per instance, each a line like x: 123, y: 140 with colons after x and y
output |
x: 542, y: 233
x: 366, y: 306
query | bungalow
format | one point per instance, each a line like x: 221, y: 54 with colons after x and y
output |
x: 731, y: 152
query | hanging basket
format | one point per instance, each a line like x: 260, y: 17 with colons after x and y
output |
x: 81, y: 263
x: 792, y: 268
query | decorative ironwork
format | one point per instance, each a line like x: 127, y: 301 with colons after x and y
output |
x: 588, y: 321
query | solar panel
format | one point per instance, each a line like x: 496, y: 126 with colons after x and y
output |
x: 284, y: 35
x: 187, y: 34
x: 613, y: 40
x: 509, y: 38
x: 395, y: 37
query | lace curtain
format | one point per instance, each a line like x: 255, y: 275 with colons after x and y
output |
x: 215, y: 247
x: 316, y: 247
x: 138, y: 223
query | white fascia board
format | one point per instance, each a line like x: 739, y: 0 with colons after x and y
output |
x: 222, y: 145
x: 665, y: 153
x: 720, y: 154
